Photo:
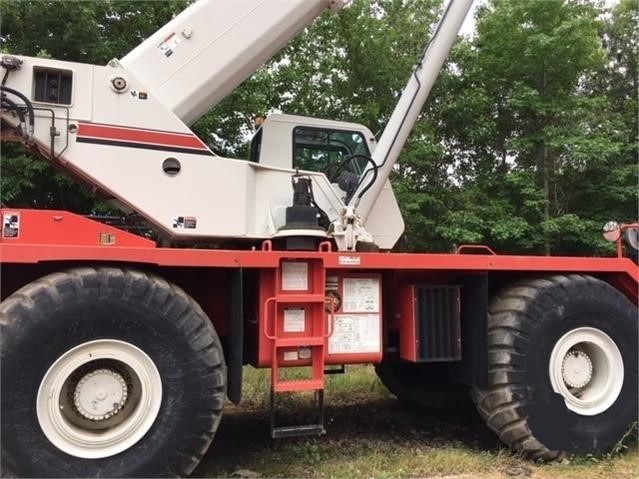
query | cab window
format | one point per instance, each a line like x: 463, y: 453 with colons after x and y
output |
x: 329, y: 151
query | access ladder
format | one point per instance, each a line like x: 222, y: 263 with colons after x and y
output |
x: 296, y: 323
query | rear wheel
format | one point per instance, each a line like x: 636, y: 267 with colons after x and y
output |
x: 573, y: 336
x: 107, y: 371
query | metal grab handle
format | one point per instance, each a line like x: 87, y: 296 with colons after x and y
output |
x: 325, y: 247
x: 266, y: 318
x: 476, y: 247
x: 331, y: 326
x: 331, y: 322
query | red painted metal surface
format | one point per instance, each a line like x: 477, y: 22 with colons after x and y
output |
x: 293, y: 323
x: 413, y: 329
x: 53, y: 229
x: 37, y: 242
x: 314, y: 327
x: 61, y: 236
x: 139, y: 135
x: 407, y: 321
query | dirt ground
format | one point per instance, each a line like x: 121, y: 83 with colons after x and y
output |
x: 244, y: 434
x: 370, y: 434
x: 380, y: 438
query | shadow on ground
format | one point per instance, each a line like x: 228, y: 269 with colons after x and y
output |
x: 359, y: 425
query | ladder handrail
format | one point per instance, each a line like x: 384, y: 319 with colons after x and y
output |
x: 266, y: 317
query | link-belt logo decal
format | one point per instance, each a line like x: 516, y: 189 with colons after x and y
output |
x: 141, y: 138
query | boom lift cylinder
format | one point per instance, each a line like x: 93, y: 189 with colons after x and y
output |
x: 408, y: 108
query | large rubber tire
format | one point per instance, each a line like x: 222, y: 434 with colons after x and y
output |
x: 152, y: 339
x: 426, y: 386
x: 535, y: 328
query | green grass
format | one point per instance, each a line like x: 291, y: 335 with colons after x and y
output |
x: 371, y: 435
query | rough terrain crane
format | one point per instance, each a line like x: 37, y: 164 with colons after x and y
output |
x: 118, y: 351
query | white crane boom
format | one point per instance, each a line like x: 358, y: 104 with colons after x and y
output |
x: 114, y: 125
x: 409, y: 107
x: 205, y: 52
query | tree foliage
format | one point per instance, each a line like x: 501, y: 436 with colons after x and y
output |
x: 534, y: 146
x: 528, y: 143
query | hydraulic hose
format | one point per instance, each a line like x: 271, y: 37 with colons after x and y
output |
x: 11, y: 105
x: 27, y: 102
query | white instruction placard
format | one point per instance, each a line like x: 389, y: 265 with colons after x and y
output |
x: 355, y: 334
x: 361, y: 295
x: 291, y: 356
x: 294, y: 320
x: 294, y: 276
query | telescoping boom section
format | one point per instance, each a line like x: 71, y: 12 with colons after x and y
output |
x: 203, y: 54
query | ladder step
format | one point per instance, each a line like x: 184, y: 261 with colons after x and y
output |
x: 300, y: 298
x: 298, y: 385
x: 299, y: 341
x: 312, y: 429
x: 341, y: 369
x: 311, y: 339
x: 293, y: 431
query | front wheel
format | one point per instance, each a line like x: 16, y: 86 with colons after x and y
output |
x: 563, y: 366
x: 107, y: 372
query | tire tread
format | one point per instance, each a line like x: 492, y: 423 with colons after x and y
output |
x: 509, y: 320
x: 147, y: 289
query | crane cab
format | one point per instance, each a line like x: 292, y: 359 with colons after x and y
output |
x: 313, y: 144
x: 339, y: 150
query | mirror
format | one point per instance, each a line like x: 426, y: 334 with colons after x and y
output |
x: 611, y: 231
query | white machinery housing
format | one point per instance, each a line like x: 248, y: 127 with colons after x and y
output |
x: 122, y: 128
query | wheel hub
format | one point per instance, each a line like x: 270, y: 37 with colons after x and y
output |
x: 100, y: 394
x: 576, y: 369
x: 587, y: 369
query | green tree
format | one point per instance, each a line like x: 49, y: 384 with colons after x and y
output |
x: 533, y: 126
x: 613, y: 179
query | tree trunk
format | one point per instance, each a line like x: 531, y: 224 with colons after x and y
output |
x: 546, y: 179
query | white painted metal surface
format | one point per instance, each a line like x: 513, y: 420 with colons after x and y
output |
x: 96, y: 416
x: 385, y: 222
x: 586, y: 368
x: 124, y: 131
x: 100, y: 394
x: 204, y: 53
x: 225, y: 198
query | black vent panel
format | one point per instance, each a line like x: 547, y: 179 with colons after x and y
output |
x: 438, y: 323
x: 52, y: 86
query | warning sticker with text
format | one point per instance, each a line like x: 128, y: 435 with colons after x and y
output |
x: 294, y: 320
x: 355, y: 334
x: 294, y: 276
x: 361, y: 295
x: 11, y: 225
